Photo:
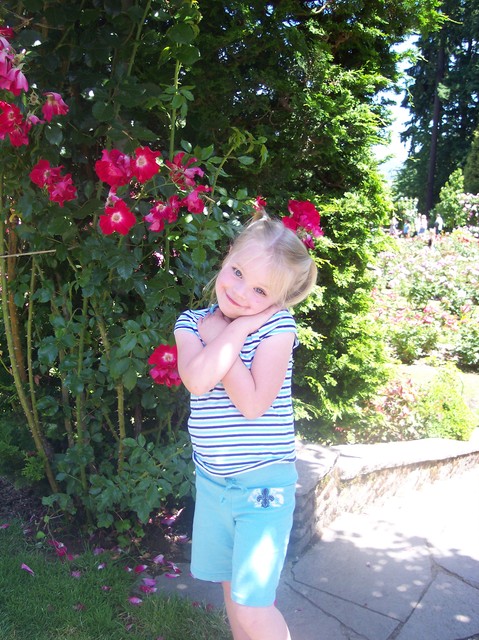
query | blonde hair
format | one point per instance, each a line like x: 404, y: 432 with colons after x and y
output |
x: 294, y: 270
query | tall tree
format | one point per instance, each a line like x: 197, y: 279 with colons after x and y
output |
x: 443, y: 98
x: 471, y: 168
x: 305, y: 75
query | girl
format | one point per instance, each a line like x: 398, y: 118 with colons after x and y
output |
x: 236, y: 361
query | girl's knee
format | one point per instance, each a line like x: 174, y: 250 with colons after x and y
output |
x: 252, y: 618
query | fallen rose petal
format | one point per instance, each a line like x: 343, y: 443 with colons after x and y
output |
x: 182, y: 539
x: 159, y: 559
x: 134, y: 600
x: 174, y: 567
x: 128, y: 569
x: 98, y: 550
x: 149, y: 582
x: 79, y: 607
x: 25, y: 567
x: 145, y: 589
x: 75, y: 574
x: 102, y: 565
x: 171, y: 519
x: 60, y: 548
x: 105, y: 588
x: 4, y: 526
x: 140, y: 568
x: 172, y: 575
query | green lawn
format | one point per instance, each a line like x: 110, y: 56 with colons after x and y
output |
x: 77, y: 600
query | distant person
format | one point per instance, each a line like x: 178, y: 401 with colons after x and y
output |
x: 406, y: 229
x: 439, y: 224
x: 422, y: 225
x: 417, y: 225
x: 393, y: 226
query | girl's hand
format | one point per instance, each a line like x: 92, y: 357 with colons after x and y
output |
x: 211, y: 325
x: 254, y: 322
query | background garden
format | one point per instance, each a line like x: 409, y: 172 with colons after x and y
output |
x: 135, y: 139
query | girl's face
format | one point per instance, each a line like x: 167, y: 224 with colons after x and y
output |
x: 244, y: 284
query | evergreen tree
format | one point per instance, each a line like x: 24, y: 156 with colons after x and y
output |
x: 305, y: 77
x: 471, y: 168
x: 443, y: 101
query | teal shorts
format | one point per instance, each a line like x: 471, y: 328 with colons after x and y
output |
x: 241, y: 530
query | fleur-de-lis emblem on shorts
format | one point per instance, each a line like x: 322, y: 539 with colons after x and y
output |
x: 265, y: 498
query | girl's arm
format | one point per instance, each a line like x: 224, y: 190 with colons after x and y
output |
x: 253, y: 391
x: 201, y: 366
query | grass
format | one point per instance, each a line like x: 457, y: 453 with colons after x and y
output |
x: 54, y: 605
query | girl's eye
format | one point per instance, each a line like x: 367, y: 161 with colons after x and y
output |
x: 237, y: 272
x: 261, y: 292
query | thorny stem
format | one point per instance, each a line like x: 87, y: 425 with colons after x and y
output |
x: 79, y: 396
x: 136, y: 44
x: 174, y: 111
x: 32, y: 424
x: 33, y: 400
x: 120, y: 391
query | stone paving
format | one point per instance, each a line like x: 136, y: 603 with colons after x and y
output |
x: 404, y: 568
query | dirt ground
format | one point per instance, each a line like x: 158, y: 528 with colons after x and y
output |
x: 25, y: 505
x: 18, y: 503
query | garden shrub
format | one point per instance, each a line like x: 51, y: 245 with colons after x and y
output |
x: 466, y: 347
x: 413, y: 338
x: 391, y: 416
x: 442, y: 409
x: 423, y: 296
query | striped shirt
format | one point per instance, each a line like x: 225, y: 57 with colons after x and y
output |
x: 224, y: 441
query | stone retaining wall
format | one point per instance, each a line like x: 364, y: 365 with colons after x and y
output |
x: 349, y: 477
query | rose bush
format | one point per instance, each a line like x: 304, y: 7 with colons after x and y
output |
x: 107, y: 234
x: 102, y: 245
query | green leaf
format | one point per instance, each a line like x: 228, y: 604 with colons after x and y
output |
x: 245, y: 160
x: 130, y: 379
x: 103, y: 112
x: 186, y: 146
x: 187, y: 54
x: 118, y: 367
x: 91, y: 206
x: 198, y: 255
x: 48, y: 405
x: 181, y: 33
x: 54, y: 135
x: 178, y: 101
x: 48, y: 351
x: 105, y: 520
x: 128, y: 343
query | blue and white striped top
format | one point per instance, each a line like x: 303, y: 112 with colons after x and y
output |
x: 225, y: 443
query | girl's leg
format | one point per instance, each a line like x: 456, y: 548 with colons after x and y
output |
x: 236, y: 629
x: 263, y: 623
x: 254, y: 623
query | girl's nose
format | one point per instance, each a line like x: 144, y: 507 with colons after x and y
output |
x: 240, y: 290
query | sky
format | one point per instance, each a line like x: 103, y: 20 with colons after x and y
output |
x: 396, y: 149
